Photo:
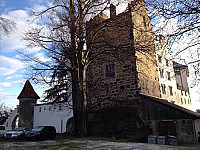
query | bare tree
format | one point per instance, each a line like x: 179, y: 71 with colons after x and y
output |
x: 63, y: 39
x: 4, y: 113
x: 179, y: 22
x: 6, y: 25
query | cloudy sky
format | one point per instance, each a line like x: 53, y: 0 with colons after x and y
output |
x: 12, y: 70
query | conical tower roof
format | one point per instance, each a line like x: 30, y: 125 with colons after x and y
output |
x: 28, y: 92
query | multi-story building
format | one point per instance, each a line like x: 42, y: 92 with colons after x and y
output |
x: 123, y: 79
x: 172, y: 76
x: 167, y: 77
x: 123, y: 83
x: 124, y: 55
x: 181, y: 73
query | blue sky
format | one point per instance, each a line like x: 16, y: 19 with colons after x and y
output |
x: 12, y: 70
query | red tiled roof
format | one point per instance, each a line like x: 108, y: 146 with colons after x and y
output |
x: 28, y: 92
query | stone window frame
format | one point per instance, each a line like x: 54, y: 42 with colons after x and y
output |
x: 170, y: 90
x: 110, y: 70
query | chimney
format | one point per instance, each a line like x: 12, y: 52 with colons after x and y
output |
x: 112, y: 11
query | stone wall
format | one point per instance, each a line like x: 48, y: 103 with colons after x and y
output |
x: 186, y: 131
x: 116, y: 41
x: 197, y: 127
x: 26, y: 107
x: 121, y: 122
x: 145, y: 49
x: 111, y: 43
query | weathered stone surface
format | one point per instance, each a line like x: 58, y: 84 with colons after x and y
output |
x: 125, y: 42
x: 26, y: 106
x: 121, y: 122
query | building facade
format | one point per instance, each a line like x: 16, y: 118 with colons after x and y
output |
x: 27, y: 100
x: 181, y: 73
x: 128, y: 71
x: 172, y: 76
x: 56, y: 114
x: 124, y: 92
x: 124, y: 62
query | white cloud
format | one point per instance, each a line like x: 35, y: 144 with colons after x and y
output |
x: 13, y: 77
x: 10, y: 99
x: 5, y: 84
x: 9, y: 65
x: 23, y: 22
x: 41, y: 57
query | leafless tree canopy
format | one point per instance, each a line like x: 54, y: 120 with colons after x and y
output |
x: 62, y: 41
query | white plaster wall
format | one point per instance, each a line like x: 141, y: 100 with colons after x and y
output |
x: 163, y: 51
x: 9, y: 120
x: 52, y: 115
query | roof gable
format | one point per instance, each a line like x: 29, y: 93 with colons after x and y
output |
x: 28, y: 92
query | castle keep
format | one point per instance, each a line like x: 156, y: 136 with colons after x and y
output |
x: 124, y: 55
x: 128, y: 96
x: 123, y: 80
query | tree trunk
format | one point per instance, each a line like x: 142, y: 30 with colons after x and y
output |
x: 78, y: 72
x: 79, y: 102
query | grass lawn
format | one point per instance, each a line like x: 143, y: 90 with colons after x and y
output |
x: 84, y: 144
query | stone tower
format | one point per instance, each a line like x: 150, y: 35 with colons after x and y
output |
x: 27, y: 100
x: 123, y: 49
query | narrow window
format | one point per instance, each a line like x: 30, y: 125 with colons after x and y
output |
x: 181, y: 101
x: 110, y: 70
x: 40, y: 109
x: 185, y: 100
x: 167, y: 62
x: 185, y: 93
x: 163, y: 88
x: 144, y: 20
x: 60, y: 107
x: 161, y: 73
x: 170, y: 90
x: 159, y: 59
x: 168, y: 75
x: 49, y: 108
